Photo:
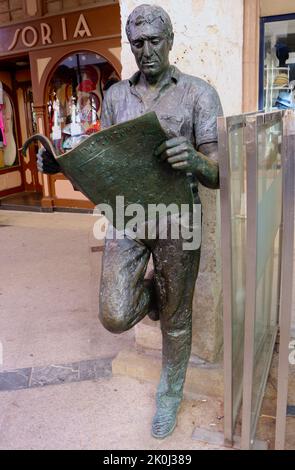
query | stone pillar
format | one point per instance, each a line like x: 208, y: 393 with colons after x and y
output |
x: 33, y: 7
x: 208, y: 44
x: 251, y: 55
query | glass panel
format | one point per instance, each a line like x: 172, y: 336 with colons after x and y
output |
x: 8, y: 145
x: 76, y: 92
x: 279, y: 65
x: 269, y: 212
x: 238, y: 231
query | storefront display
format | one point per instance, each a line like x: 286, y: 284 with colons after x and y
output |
x: 277, y: 75
x: 75, y: 97
x: 8, y: 147
x: 55, y: 68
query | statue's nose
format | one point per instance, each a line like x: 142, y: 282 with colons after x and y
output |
x: 147, y: 49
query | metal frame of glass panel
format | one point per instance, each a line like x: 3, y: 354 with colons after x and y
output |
x: 226, y: 254
x: 258, y: 348
x: 278, y: 197
x: 288, y: 157
x: 232, y: 391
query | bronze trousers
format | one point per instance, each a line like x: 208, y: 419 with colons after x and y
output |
x: 125, y: 299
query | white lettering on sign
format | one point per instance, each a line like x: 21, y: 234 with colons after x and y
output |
x: 29, y: 35
x: 82, y: 24
x: 34, y: 40
x: 64, y: 29
x: 15, y: 38
x: 46, y: 33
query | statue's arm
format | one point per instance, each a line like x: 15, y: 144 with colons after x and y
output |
x: 206, y: 110
x: 182, y: 155
x: 206, y: 166
x: 106, y: 118
x: 201, y: 161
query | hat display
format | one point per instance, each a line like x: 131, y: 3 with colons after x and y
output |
x: 281, y: 80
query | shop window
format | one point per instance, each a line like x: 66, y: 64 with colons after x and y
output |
x: 277, y: 76
x: 75, y: 96
x: 55, y: 6
x: 8, y: 142
x: 11, y: 10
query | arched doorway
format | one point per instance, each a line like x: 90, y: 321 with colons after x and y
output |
x: 74, y: 97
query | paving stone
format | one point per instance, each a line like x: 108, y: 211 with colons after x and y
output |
x: 54, y: 374
x: 15, y: 379
x: 95, y: 369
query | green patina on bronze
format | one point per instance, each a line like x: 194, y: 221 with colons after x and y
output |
x: 149, y: 162
x: 121, y: 161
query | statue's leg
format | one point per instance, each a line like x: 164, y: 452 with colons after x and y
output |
x: 124, y: 297
x: 176, y: 271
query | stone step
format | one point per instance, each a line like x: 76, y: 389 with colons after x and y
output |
x: 202, y: 379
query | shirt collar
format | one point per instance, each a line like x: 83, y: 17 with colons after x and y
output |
x: 172, y: 75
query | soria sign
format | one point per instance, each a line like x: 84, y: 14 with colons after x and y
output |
x: 57, y: 30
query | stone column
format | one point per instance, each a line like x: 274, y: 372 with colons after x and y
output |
x: 208, y: 44
x: 251, y: 55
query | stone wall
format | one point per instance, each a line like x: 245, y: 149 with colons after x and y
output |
x: 208, y: 43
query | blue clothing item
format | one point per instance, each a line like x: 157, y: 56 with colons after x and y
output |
x: 285, y: 100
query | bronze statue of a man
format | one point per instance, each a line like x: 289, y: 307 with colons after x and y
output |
x: 187, y: 108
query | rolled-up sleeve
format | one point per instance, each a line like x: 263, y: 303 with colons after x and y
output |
x: 207, y: 108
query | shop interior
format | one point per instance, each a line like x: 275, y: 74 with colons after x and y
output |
x: 73, y: 100
x: 279, y: 63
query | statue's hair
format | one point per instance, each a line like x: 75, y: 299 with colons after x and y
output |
x: 148, y: 14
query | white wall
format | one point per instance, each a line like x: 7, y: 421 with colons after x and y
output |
x: 208, y: 43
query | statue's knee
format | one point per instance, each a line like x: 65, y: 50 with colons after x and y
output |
x: 112, y: 319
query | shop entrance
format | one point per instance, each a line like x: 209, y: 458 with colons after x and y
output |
x: 20, y: 182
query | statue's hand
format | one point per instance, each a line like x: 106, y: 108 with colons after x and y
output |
x: 180, y: 153
x: 46, y: 162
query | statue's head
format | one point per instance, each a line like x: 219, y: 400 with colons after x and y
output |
x: 150, y: 33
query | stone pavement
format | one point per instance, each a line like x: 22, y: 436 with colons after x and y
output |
x: 57, y: 390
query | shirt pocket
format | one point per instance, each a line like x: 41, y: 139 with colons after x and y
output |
x: 172, y: 125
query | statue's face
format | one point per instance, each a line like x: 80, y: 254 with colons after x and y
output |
x: 151, y: 47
